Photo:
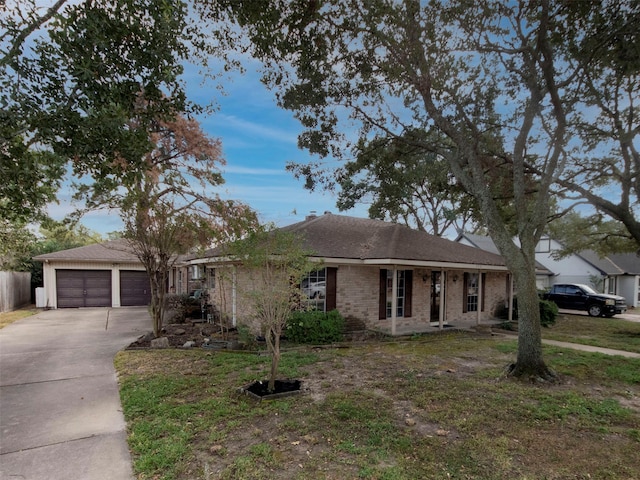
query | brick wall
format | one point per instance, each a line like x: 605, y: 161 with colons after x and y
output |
x: 358, y: 295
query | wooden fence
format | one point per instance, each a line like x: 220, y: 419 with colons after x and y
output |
x: 15, y: 290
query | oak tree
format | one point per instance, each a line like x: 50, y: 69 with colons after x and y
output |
x: 494, y: 79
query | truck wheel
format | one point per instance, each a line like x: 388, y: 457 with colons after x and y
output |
x: 595, y: 310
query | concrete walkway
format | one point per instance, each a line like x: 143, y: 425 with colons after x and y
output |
x: 60, y: 412
x: 589, y: 348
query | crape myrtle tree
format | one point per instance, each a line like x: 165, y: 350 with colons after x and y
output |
x: 494, y: 78
x: 72, y: 76
x: 172, y: 206
x: 278, y: 261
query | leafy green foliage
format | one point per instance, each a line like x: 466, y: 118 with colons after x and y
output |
x: 603, y: 165
x: 81, y: 85
x: 315, y: 327
x: 548, y: 313
x: 406, y: 184
x: 577, y: 233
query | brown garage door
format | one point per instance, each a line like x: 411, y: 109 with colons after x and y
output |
x: 83, y: 288
x: 134, y: 288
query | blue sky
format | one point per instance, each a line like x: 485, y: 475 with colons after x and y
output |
x: 258, y: 139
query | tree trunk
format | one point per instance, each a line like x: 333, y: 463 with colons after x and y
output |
x: 273, y: 342
x: 156, y: 300
x: 529, y: 361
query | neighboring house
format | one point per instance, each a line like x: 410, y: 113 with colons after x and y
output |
x: 616, y: 274
x: 101, y: 275
x: 628, y: 284
x: 388, y: 276
x: 543, y: 274
x: 585, y: 267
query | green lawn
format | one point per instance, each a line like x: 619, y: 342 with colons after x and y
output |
x: 435, y: 407
x: 600, y: 332
x: 8, y: 318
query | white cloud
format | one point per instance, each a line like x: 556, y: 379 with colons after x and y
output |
x: 251, y: 129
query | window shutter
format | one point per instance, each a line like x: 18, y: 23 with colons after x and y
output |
x: 382, y: 308
x: 331, y: 287
x: 408, y: 292
x: 465, y: 291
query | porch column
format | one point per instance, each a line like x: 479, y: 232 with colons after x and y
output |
x: 394, y: 300
x: 443, y: 295
x: 480, y: 306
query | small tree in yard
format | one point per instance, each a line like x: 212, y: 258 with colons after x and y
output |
x: 278, y: 262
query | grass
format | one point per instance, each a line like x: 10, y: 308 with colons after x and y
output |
x: 600, y: 332
x: 431, y: 407
x: 7, y: 318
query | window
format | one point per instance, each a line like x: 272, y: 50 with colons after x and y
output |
x: 314, y: 286
x: 544, y: 245
x: 472, y: 290
x: 400, y: 293
x: 180, y: 271
x: 403, y: 293
x: 211, y: 278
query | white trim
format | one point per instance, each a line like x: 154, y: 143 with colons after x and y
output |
x: 376, y: 261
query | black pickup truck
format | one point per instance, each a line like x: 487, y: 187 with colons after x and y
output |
x: 573, y: 296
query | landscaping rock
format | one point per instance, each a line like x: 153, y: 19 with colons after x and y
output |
x: 189, y: 344
x: 162, y: 342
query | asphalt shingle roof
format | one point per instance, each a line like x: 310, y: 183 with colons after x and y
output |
x: 343, y: 237
x: 604, y: 264
x: 112, y: 251
x: 629, y: 263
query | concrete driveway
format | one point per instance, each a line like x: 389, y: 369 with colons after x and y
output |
x: 60, y: 412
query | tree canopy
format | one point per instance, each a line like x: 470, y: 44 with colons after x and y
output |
x: 603, y: 164
x: 73, y: 76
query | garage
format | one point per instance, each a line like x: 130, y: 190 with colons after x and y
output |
x: 134, y: 288
x: 83, y: 288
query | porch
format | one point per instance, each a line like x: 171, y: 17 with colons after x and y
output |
x: 422, y: 328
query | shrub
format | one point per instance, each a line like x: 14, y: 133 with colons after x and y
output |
x: 315, y: 327
x: 548, y: 312
x: 182, y: 305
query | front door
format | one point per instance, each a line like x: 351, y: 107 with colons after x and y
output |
x: 435, y: 296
